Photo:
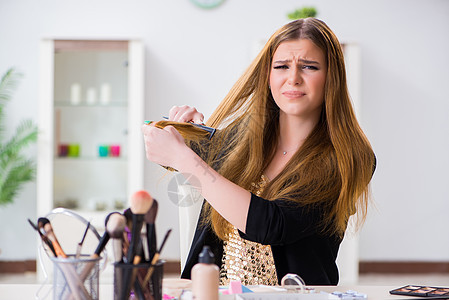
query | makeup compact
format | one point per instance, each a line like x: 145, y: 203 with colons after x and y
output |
x: 421, y: 291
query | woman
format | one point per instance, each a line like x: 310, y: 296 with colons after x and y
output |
x: 287, y: 168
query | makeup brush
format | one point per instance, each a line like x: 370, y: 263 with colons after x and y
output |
x: 68, y: 272
x: 75, y: 283
x: 129, y: 218
x: 80, y: 244
x: 133, y: 282
x: 115, y: 228
x: 101, y: 244
x: 45, y: 239
x: 141, y: 202
x: 130, y: 275
x: 155, y: 259
x: 150, y: 218
x: 127, y: 233
x: 100, y: 247
x: 46, y: 228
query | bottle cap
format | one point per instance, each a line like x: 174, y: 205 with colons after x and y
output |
x: 206, y: 256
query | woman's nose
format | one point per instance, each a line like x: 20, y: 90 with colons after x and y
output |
x: 294, y: 77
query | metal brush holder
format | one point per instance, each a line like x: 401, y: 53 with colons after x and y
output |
x: 67, y: 270
x: 70, y: 281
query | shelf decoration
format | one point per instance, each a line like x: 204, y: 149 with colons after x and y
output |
x: 74, y: 150
x: 69, y: 150
x: 109, y: 150
x: 302, y: 13
x: 115, y: 150
x: 75, y: 94
x: 63, y: 150
x: 105, y: 93
x: 103, y: 150
x: 91, y: 96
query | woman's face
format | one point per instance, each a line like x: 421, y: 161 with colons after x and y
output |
x: 297, y: 78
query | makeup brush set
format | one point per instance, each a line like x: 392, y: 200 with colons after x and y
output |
x: 137, y: 273
x: 76, y: 276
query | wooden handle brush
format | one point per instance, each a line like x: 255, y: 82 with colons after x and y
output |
x: 76, y: 285
x: 155, y: 259
x: 45, y: 239
x: 115, y: 228
x: 45, y: 226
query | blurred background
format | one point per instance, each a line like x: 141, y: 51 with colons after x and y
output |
x: 193, y: 55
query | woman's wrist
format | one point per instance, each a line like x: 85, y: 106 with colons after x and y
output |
x: 185, y: 159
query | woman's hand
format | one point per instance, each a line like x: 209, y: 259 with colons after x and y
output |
x: 167, y: 148
x: 185, y: 114
x: 164, y: 146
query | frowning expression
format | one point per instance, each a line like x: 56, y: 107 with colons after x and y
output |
x: 297, y: 78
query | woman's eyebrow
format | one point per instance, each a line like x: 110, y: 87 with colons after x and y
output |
x: 302, y: 60
x: 307, y: 61
x: 282, y: 61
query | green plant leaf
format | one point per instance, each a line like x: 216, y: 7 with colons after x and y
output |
x: 302, y: 13
x: 8, y: 84
x: 25, y: 134
x: 15, y: 168
x: 13, y: 175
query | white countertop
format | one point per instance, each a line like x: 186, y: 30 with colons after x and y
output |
x: 173, y: 286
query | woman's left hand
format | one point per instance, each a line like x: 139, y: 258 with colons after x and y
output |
x: 163, y: 146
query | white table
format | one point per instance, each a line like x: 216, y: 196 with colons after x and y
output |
x: 28, y: 291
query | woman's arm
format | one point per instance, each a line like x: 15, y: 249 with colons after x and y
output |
x: 268, y: 222
x: 167, y: 148
x: 280, y: 222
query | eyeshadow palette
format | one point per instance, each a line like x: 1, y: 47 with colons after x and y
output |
x: 421, y: 291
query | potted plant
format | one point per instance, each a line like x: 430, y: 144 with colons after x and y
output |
x: 15, y: 168
x: 302, y: 13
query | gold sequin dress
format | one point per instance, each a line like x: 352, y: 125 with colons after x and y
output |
x: 249, y: 262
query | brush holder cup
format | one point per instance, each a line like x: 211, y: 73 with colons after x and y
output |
x: 58, y: 272
x: 76, y: 278
x: 132, y: 281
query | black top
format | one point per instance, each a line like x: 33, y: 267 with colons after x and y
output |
x: 291, y: 231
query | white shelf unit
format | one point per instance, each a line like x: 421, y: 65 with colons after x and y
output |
x: 91, y: 180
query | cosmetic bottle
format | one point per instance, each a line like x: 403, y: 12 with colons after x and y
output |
x: 205, y: 277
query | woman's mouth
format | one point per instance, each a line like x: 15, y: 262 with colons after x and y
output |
x: 293, y: 94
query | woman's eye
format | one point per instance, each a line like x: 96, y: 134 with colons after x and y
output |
x: 280, y: 67
x: 309, y: 67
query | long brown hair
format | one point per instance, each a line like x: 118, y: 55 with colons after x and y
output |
x: 331, y: 170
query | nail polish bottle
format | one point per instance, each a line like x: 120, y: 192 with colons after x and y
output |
x: 205, y: 276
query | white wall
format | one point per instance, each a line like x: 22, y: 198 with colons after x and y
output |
x: 194, y: 56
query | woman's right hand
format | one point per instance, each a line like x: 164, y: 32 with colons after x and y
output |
x: 186, y: 114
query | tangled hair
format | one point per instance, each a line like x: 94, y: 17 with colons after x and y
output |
x: 331, y: 170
